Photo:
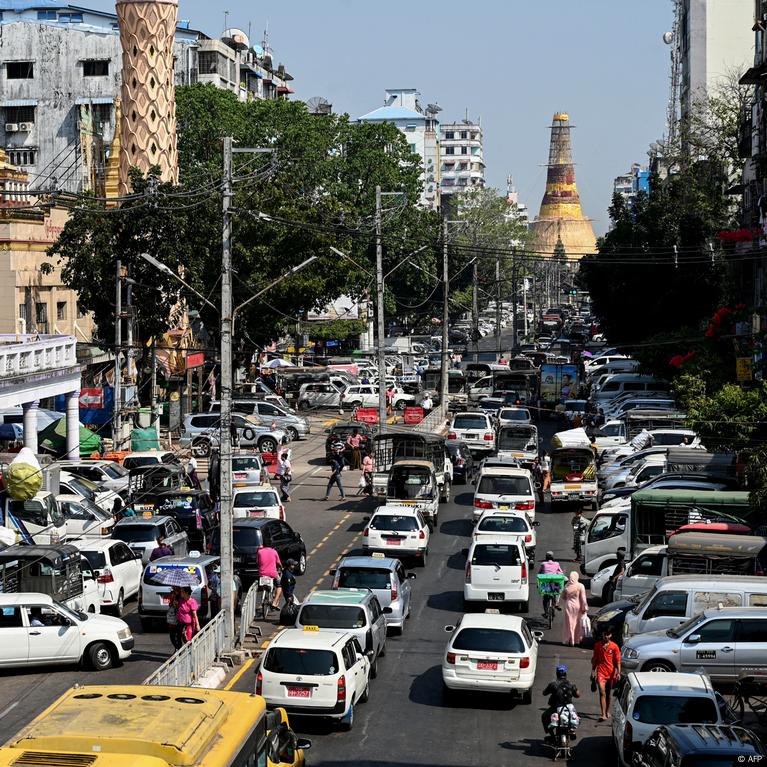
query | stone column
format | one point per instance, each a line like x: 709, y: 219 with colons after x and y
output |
x: 30, y: 424
x: 73, y: 426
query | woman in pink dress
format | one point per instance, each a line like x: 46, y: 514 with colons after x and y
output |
x: 575, y: 607
x: 186, y: 613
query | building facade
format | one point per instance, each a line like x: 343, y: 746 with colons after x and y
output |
x: 422, y: 131
x: 463, y: 159
x: 629, y: 184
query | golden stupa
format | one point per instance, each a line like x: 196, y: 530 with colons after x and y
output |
x: 561, y: 218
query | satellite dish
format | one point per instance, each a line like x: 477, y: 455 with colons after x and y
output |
x: 668, y: 38
x: 433, y: 109
x: 317, y: 105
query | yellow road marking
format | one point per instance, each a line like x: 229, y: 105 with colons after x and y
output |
x: 331, y: 422
x: 245, y: 666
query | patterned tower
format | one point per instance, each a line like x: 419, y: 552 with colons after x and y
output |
x: 561, y: 216
x: 148, y: 124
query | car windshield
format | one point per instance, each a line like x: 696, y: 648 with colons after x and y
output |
x: 492, y: 485
x: 515, y: 439
x: 682, y: 628
x: 246, y: 463
x: 82, y: 487
x: 246, y: 537
x: 332, y: 616
x: 488, y: 640
x: 470, y: 422
x: 671, y: 438
x: 610, y: 430
x: 96, y: 559
x: 674, y: 709
x: 501, y: 524
x: 495, y: 554
x: 512, y: 414
x: 295, y: 661
x: 393, y: 522
x: 134, y: 533
x: 363, y: 578
x: 114, y: 471
x: 136, y: 462
x: 152, y: 573
x: 256, y: 498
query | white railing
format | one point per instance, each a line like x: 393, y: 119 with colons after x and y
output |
x: 248, y: 613
x: 28, y: 354
x: 189, y: 663
x: 434, y: 423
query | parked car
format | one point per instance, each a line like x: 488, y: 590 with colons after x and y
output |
x: 366, y: 395
x: 142, y: 534
x: 69, y: 484
x: 116, y: 568
x: 320, y: 394
x: 150, y: 458
x: 464, y: 468
x: 108, y: 475
x: 201, y: 432
x: 282, y: 417
x: 38, y: 631
x: 383, y: 576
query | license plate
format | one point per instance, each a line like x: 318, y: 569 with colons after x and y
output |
x: 495, y: 596
x: 503, y: 506
x: 518, y: 455
x: 257, y: 513
x: 238, y: 560
x: 470, y: 436
x: 299, y: 692
x: 487, y: 665
x: 393, y: 541
x: 166, y: 600
x: 407, y: 503
x: 240, y: 475
x: 572, y: 487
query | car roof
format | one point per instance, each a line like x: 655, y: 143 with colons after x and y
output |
x: 253, y: 488
x: 491, y: 620
x: 88, y: 462
x: 414, y: 462
x: 502, y: 471
x: 253, y: 522
x: 497, y: 540
x: 339, y: 596
x: 672, y: 682
x: 13, y: 599
x: 185, y: 559
x: 96, y: 544
x: 313, y: 640
x: 731, y: 580
x: 150, y: 454
x: 154, y: 520
x: 713, y: 739
x: 377, y: 563
x: 480, y: 413
x: 401, y: 511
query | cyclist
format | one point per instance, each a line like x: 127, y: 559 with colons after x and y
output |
x: 550, y: 566
x: 269, y: 565
x: 561, y: 692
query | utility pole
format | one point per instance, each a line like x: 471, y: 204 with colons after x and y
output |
x: 227, y: 553
x: 475, y: 311
x: 498, y: 304
x: 155, y: 422
x: 117, y: 423
x: 514, y: 303
x: 524, y: 302
x: 380, y: 317
x: 443, y: 388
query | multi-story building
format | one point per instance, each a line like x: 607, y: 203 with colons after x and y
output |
x: 60, y: 73
x: 517, y: 210
x: 421, y: 128
x: 463, y: 161
x: 628, y: 185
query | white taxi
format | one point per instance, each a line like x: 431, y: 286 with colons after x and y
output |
x: 516, y: 523
x: 398, y: 531
x: 309, y: 672
x: 504, y: 488
x: 257, y: 501
x: 491, y: 652
x: 497, y: 571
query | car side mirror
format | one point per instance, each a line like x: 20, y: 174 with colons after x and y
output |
x: 332, y: 571
x: 536, y: 523
x: 693, y: 639
x: 411, y: 576
x: 449, y: 629
x: 465, y: 552
x: 304, y: 744
x: 387, y: 610
x: 538, y: 636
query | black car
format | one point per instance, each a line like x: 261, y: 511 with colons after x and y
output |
x: 194, y: 511
x: 699, y: 745
x: 343, y: 430
x: 250, y: 534
x: 613, y: 615
x: 464, y: 470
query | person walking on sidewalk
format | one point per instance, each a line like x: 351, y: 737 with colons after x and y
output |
x: 285, y: 473
x: 336, y: 467
x: 605, y: 670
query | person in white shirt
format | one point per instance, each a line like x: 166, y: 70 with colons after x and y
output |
x: 191, y: 470
x: 284, y: 472
x: 427, y: 404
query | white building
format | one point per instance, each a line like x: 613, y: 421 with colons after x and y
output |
x: 714, y: 37
x: 517, y: 210
x: 463, y: 161
x: 421, y: 129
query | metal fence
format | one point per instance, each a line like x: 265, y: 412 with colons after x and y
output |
x: 248, y: 613
x: 189, y: 663
x: 434, y: 422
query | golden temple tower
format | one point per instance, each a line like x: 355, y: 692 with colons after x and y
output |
x: 561, y: 216
x: 148, y: 94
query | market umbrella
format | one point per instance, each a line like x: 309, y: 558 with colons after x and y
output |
x: 176, y: 576
x: 54, y: 438
x: 586, y: 354
x: 278, y: 362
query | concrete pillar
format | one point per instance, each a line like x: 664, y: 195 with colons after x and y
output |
x: 30, y: 424
x: 73, y: 425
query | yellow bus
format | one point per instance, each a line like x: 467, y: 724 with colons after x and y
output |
x: 137, y: 726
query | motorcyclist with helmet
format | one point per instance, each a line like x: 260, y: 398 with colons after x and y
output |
x: 561, y: 692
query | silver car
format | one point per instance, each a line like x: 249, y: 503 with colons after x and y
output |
x: 202, y: 431
x: 723, y: 641
x: 386, y: 578
x: 294, y: 425
x: 142, y: 535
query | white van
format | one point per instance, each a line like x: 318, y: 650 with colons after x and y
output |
x: 676, y: 598
x: 623, y: 383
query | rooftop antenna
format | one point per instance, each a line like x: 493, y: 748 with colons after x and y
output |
x: 226, y: 21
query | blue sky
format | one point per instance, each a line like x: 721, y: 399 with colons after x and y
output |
x: 513, y: 63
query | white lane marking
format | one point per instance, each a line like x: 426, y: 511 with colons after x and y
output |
x: 8, y: 709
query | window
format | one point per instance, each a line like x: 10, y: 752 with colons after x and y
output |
x: 464, y: 134
x: 488, y: 640
x: 102, y: 113
x: 23, y: 312
x: 718, y: 631
x: 498, y: 555
x: 81, y: 311
x: 703, y: 600
x: 333, y: 616
x: 648, y: 564
x: 10, y: 617
x: 207, y: 62
x: 449, y: 135
x: 46, y: 15
x: 19, y: 70
x: 22, y: 157
x: 289, y: 660
x: 667, y: 603
x: 464, y: 150
x: 121, y: 553
x: 674, y: 709
x: 71, y: 18
x: 412, y: 148
x: 449, y: 150
x: 61, y: 310
x: 41, y: 313
x: 95, y: 68
x: 500, y: 485
x: 20, y: 114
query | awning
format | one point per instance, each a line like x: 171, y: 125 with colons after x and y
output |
x: 284, y: 89
x: 753, y: 76
x: 19, y: 103
x: 95, y: 100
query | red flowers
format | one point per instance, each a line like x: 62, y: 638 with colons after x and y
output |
x: 679, y: 359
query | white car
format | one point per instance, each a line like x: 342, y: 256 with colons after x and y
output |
x: 38, y: 631
x: 108, y: 475
x: 475, y: 429
x: 116, y: 568
x: 514, y: 523
x: 497, y: 571
x: 83, y: 517
x: 69, y: 484
x: 514, y: 415
x: 506, y: 489
x: 315, y: 673
x: 257, y: 501
x: 491, y: 652
x: 398, y: 531
x: 150, y: 458
x: 366, y: 395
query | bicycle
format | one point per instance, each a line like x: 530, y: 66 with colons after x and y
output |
x: 266, y: 591
x: 750, y: 691
x: 550, y: 586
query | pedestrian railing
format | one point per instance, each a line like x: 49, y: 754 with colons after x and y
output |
x: 248, y: 613
x: 192, y: 660
x: 434, y: 423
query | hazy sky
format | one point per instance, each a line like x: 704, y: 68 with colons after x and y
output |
x: 512, y: 63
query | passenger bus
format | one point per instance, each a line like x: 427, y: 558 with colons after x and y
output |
x: 143, y: 726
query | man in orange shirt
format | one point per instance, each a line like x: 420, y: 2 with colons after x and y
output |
x: 605, y: 670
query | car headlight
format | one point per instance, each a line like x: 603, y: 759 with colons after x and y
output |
x: 629, y: 653
x: 124, y: 634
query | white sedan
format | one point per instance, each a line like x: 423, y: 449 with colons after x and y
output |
x: 257, y: 501
x: 398, y: 531
x: 497, y: 522
x: 491, y: 652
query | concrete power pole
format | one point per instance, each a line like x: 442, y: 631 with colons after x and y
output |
x: 117, y: 421
x: 475, y: 311
x: 498, y: 304
x: 380, y: 316
x: 227, y: 553
x: 443, y: 388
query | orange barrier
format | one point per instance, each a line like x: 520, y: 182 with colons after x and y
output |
x: 412, y: 415
x: 117, y: 456
x: 366, y: 415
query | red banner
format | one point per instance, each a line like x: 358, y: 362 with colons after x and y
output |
x: 195, y: 360
x: 91, y: 399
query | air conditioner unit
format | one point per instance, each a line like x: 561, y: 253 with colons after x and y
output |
x: 26, y: 127
x: 11, y: 127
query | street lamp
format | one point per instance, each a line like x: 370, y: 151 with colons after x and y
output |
x: 165, y: 269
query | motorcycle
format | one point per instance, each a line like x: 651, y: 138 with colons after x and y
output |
x: 562, y: 726
x: 579, y: 531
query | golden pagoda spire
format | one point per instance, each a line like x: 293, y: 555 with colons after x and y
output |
x: 112, y: 173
